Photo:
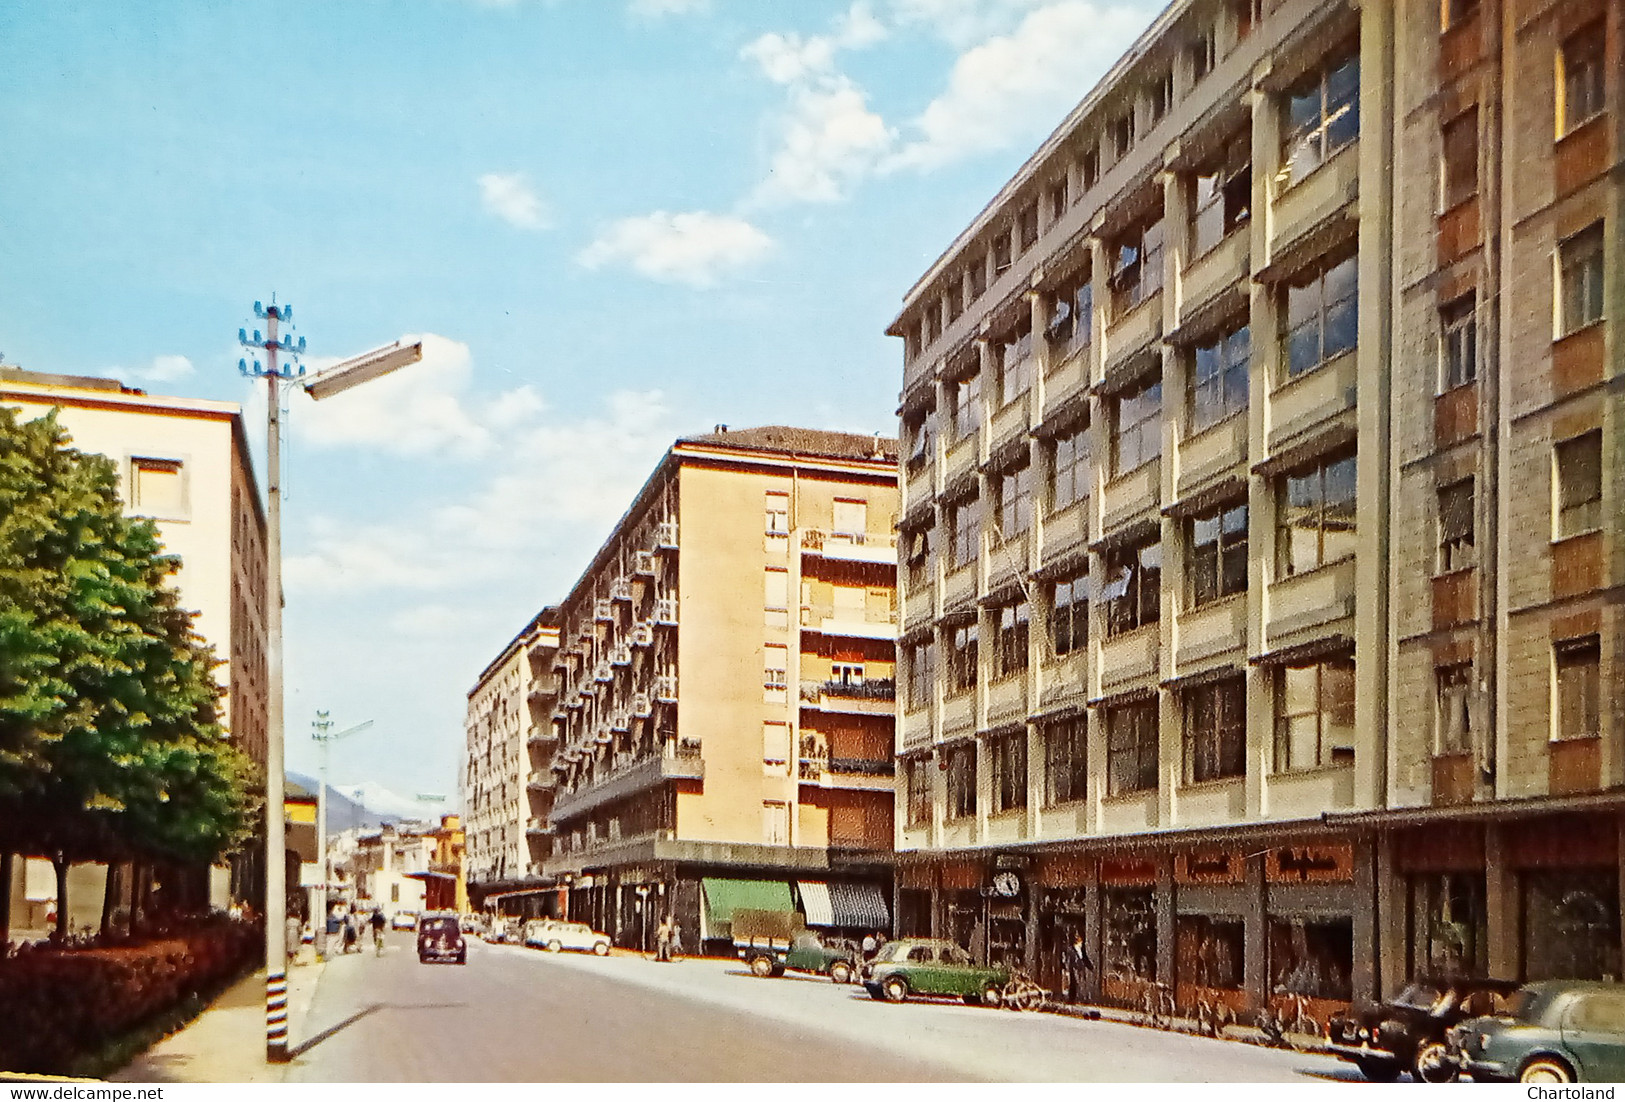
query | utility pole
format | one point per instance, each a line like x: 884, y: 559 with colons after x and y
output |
x: 334, y: 380
x: 321, y: 729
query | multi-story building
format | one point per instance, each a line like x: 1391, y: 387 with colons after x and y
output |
x: 184, y: 463
x: 389, y: 869
x: 507, y: 783
x: 725, y: 667
x: 1263, y: 562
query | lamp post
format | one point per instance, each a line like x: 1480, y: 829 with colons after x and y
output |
x: 322, y: 733
x: 334, y: 380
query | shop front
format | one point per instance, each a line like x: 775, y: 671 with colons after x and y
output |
x: 1567, y: 869
x: 1446, y: 900
x: 1128, y: 908
x: 1210, y: 931
x: 1309, y: 928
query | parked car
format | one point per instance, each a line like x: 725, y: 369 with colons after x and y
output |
x: 1408, y: 1032
x: 404, y: 920
x: 440, y: 937
x: 806, y: 951
x: 555, y: 936
x: 1562, y: 1031
x: 927, y: 966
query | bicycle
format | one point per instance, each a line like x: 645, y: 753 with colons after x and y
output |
x: 1299, y: 1032
x: 1158, y: 1005
x: 1212, y: 1016
x: 1022, y: 993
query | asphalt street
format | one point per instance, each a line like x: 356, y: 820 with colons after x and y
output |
x: 518, y: 1015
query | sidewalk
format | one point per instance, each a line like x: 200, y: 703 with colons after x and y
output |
x: 226, y: 1043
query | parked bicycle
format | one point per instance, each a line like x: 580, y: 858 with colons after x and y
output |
x: 1157, y: 1005
x: 1023, y: 993
x: 1291, y: 1027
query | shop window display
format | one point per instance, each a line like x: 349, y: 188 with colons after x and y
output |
x: 1571, y: 924
x: 1449, y: 924
x: 1312, y: 956
x: 1210, y: 950
x: 1131, y: 936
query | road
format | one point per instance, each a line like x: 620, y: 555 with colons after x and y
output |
x: 520, y: 1015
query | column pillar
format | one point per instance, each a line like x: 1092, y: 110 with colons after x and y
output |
x: 1503, y: 955
x: 1255, y: 935
x: 1363, y: 973
x: 1167, y: 936
x: 1094, y: 939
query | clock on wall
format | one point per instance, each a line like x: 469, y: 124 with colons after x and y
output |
x: 1006, y: 884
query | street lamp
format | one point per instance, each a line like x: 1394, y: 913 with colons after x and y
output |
x: 324, y: 735
x: 335, y: 380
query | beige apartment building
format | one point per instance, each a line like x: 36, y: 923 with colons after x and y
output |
x: 725, y: 691
x: 507, y: 783
x: 1262, y: 552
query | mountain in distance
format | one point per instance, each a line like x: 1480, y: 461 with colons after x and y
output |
x: 368, y: 804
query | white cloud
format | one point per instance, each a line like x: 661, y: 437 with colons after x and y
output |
x: 691, y: 247
x: 656, y: 9
x: 963, y: 23
x: 166, y: 369
x: 1033, y: 75
x: 511, y: 198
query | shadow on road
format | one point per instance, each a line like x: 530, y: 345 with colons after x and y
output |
x: 306, y: 1046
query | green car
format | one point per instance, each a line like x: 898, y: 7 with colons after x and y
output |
x: 1555, y: 1032
x: 806, y: 951
x: 928, y: 966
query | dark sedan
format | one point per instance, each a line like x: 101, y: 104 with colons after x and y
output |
x: 440, y: 937
x: 1408, y: 1033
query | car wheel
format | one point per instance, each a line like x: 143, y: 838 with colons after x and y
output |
x: 1379, y: 1071
x: 992, y: 995
x: 840, y: 972
x: 1433, y: 1064
x: 896, y: 989
x: 600, y: 948
x: 1546, y: 1070
x: 555, y: 946
x: 761, y: 967
x: 972, y: 1000
x: 463, y: 959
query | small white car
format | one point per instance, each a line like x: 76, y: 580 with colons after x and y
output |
x: 556, y: 936
x: 403, y: 920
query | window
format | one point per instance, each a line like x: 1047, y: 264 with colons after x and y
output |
x: 965, y: 520
x: 962, y: 658
x: 775, y: 668
x: 933, y: 322
x: 1314, y: 715
x: 1321, y: 316
x: 1059, y: 199
x: 1069, y: 478
x: 922, y: 671
x: 1069, y: 614
x: 775, y: 743
x: 967, y: 405
x: 953, y: 299
x: 1160, y: 96
x: 1219, y: 378
x: 1010, y: 652
x: 1579, y: 485
x: 1577, y: 667
x: 1071, y: 320
x: 1456, y: 526
x: 961, y: 781
x: 1580, y: 78
x: 1247, y: 14
x: 917, y: 772
x: 917, y: 552
x: 1458, y: 342
x: 1015, y: 500
x: 777, y: 509
x: 1453, y: 13
x: 1579, y: 277
x: 1136, y: 266
x: 977, y: 271
x: 1131, y: 747
x: 1204, y: 53
x: 1014, y: 355
x: 1090, y: 166
x: 1123, y: 134
x: 1001, y: 254
x: 1218, y: 554
x: 1222, y: 199
x: 1458, y: 165
x: 1009, y: 770
x: 1216, y: 730
x: 1137, y: 426
x: 776, y: 822
x: 1027, y: 226
x: 1316, y: 517
x: 776, y: 596
x: 1066, y: 760
x: 846, y: 673
x: 851, y: 519
x: 1452, y: 715
x: 1322, y: 116
x: 1133, y: 589
x: 922, y: 433
x: 158, y: 487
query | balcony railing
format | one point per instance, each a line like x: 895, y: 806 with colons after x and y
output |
x: 642, y: 707
x: 621, y: 655
x: 666, y: 610
x: 643, y: 564
x: 621, y: 590
x: 602, y: 672
x: 643, y: 635
x: 666, y: 535
x: 873, y: 688
x: 666, y: 688
x: 602, y: 611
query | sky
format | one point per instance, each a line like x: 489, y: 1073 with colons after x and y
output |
x: 613, y: 223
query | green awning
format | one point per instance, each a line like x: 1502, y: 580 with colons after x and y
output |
x: 724, y: 897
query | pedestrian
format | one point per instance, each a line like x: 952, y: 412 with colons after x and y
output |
x: 1076, y: 962
x: 293, y: 930
x: 350, y: 934
x: 869, y: 946
x: 676, y: 939
x: 663, y: 939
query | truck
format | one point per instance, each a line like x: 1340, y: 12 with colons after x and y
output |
x: 772, y: 942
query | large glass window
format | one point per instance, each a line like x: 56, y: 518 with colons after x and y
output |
x: 1130, y: 919
x: 1580, y: 64
x: 1215, y: 723
x: 918, y: 773
x: 1137, y: 265
x: 1131, y: 747
x: 965, y: 520
x: 1321, y: 316
x: 1070, y: 469
x: 1314, y: 715
x: 1069, y: 614
x: 1071, y: 316
x: 1066, y: 760
x: 961, y: 781
x: 1222, y: 200
x: 1456, y: 526
x: 1449, y: 924
x: 1322, y: 116
x: 1010, y: 655
x: 1316, y: 516
x: 1579, y: 277
x: 1009, y: 764
x: 1458, y: 342
x: 1137, y: 426
x: 922, y: 434
x: 962, y: 658
x: 1133, y: 589
x: 1014, y: 355
x: 1458, y: 163
x: 1218, y: 378
x: 967, y: 405
x: 1571, y: 924
x: 1578, y: 464
x: 922, y: 672
x: 1015, y: 500
x: 916, y: 544
x: 1312, y: 956
x: 1452, y: 710
x: 1218, y: 554
x: 1577, y: 668
x: 1210, y: 950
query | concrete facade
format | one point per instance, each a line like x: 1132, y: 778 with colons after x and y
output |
x: 1207, y: 645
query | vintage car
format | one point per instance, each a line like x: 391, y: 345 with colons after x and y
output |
x: 1565, y: 1031
x: 1408, y: 1032
x: 404, y: 920
x: 928, y: 966
x: 804, y: 951
x: 555, y: 936
x: 440, y: 937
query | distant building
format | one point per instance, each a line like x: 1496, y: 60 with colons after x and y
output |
x: 444, y: 886
x: 388, y: 867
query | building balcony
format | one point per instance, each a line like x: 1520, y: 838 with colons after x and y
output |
x: 874, y: 696
x: 666, y: 611
x: 666, y: 688
x: 642, y: 706
x: 621, y: 591
x: 602, y: 610
x: 603, y: 672
x: 677, y: 763
x: 537, y: 826
x: 621, y: 721
x: 666, y: 536
x: 621, y: 655
x: 849, y: 622
x: 851, y: 546
x: 643, y: 564
x: 857, y: 773
x: 538, y: 778
x: 643, y: 635
x: 534, y: 870
x: 543, y: 734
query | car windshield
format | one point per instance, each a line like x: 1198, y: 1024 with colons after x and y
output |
x: 953, y: 954
x: 1520, y: 1003
x: 439, y: 925
x: 1419, y: 996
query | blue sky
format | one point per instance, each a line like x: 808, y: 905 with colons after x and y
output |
x: 614, y: 221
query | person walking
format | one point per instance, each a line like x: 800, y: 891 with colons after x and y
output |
x: 1075, y: 960
x: 676, y: 939
x: 293, y: 931
x: 377, y: 922
x: 663, y: 940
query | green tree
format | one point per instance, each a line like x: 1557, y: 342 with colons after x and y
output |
x: 110, y: 742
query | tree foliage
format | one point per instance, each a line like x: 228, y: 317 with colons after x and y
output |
x: 110, y: 742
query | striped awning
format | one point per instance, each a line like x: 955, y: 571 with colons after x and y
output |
x: 860, y: 905
x: 815, y: 902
